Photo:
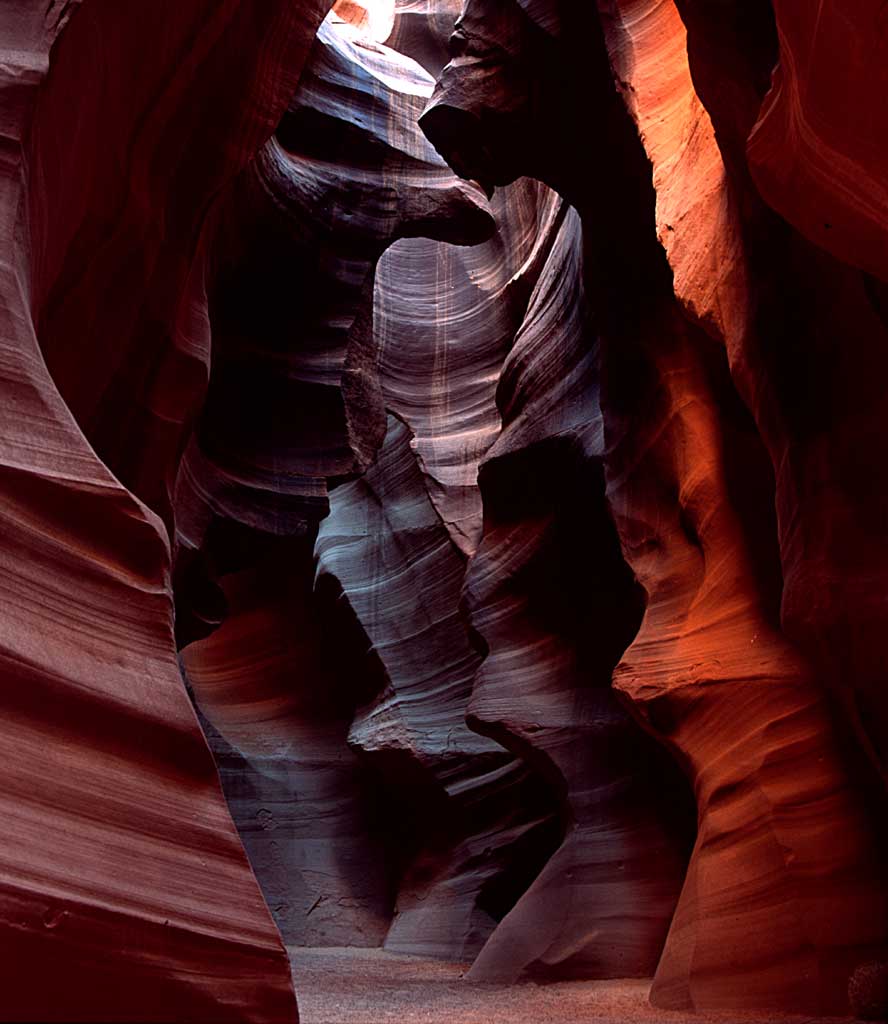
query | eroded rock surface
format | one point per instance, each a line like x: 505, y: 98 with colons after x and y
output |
x: 677, y: 446
x: 126, y: 894
x: 296, y: 399
x: 500, y: 537
x: 554, y: 614
x: 388, y: 551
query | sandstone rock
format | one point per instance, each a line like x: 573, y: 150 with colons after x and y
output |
x: 753, y: 276
x: 294, y: 396
x: 422, y: 28
x: 554, y: 604
x: 135, y: 233
x: 277, y: 686
x: 676, y: 439
x: 794, y: 305
x: 868, y: 991
x: 388, y: 551
x: 294, y: 400
x: 126, y: 894
x: 470, y: 547
x: 816, y: 152
x: 444, y: 320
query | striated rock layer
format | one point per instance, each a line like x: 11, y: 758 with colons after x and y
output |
x: 294, y: 400
x: 552, y: 601
x: 828, y: 908
x: 785, y: 853
x: 444, y: 320
x: 124, y: 890
x: 397, y: 567
x: 294, y: 395
x: 508, y: 515
x: 277, y: 689
x: 817, y: 151
x: 813, y: 311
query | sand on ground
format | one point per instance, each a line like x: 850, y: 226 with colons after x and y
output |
x: 372, y: 986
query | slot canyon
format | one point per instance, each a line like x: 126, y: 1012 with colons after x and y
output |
x: 444, y: 468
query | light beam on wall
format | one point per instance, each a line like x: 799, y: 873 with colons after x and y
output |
x: 374, y: 18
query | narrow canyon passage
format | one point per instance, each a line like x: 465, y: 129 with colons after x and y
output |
x: 444, y: 522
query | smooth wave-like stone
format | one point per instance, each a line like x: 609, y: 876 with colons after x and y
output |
x: 293, y: 401
x: 676, y: 443
x: 783, y: 852
x: 276, y: 687
x: 804, y: 337
x: 779, y: 303
x: 816, y: 152
x: 548, y: 593
x: 124, y: 890
x: 293, y: 396
x: 356, y: 716
x: 444, y: 320
x: 379, y: 551
x: 401, y: 574
x: 710, y: 673
x: 696, y: 219
x: 125, y: 192
x: 422, y: 28
x: 709, y: 636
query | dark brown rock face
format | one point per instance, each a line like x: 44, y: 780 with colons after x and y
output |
x: 458, y: 428
x: 124, y: 891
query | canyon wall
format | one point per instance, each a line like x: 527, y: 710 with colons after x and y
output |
x: 728, y: 492
x: 444, y: 502
x: 125, y: 891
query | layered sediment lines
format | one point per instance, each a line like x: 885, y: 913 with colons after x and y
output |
x: 387, y: 550
x: 122, y: 189
x: 774, y: 840
x: 709, y: 636
x: 817, y: 151
x: 504, y: 455
x: 444, y: 320
x: 294, y: 398
x: 122, y: 876
x: 277, y: 686
x: 804, y: 336
x: 552, y: 600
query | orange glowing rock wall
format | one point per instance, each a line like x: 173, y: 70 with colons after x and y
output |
x: 734, y: 454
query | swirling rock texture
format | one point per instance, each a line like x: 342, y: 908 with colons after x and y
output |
x: 294, y: 396
x: 736, y: 690
x: 126, y: 894
x: 387, y: 549
x: 477, y: 517
x: 293, y: 401
x: 831, y: 539
x: 277, y: 692
x: 445, y: 317
x: 444, y: 320
x: 817, y: 156
x: 555, y: 614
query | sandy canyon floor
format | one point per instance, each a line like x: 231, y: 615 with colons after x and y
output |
x: 370, y: 986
